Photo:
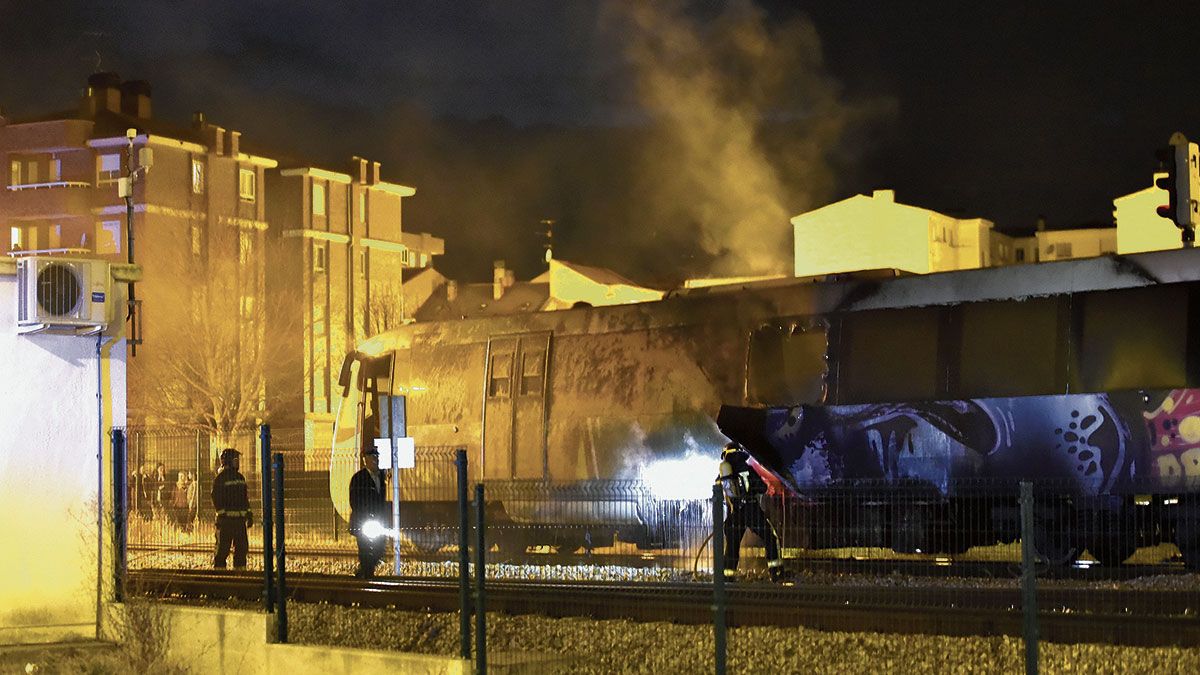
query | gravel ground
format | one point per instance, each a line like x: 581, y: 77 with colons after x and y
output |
x: 590, y: 646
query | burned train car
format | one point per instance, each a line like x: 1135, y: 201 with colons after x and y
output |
x: 900, y: 381
x: 1081, y: 382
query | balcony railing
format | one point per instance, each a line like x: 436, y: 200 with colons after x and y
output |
x: 44, y: 186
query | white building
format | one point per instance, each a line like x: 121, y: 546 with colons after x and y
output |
x: 876, y: 232
x: 1139, y: 227
x: 61, y: 397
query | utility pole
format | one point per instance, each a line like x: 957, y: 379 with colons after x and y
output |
x: 125, y: 185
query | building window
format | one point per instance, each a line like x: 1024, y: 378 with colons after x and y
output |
x: 24, y: 238
x: 362, y: 206
x: 1020, y: 255
x: 319, y: 258
x: 197, y: 241
x: 108, y: 237
x: 14, y: 173
x: 362, y: 264
x: 108, y: 169
x: 246, y: 186
x: 318, y: 199
x: 197, y: 176
x: 424, y: 260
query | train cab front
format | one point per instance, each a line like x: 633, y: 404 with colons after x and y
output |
x: 364, y: 390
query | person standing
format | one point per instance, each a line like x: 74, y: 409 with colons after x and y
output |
x: 233, y: 511
x: 368, y: 502
x: 743, y: 489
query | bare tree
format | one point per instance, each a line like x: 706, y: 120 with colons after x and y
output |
x: 218, y: 340
x: 386, y: 309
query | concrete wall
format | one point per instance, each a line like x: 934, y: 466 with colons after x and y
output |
x: 51, y: 431
x: 220, y: 641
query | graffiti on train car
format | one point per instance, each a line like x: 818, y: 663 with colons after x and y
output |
x: 1103, y: 443
x: 1173, y: 432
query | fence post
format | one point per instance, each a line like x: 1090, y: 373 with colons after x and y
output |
x: 281, y: 623
x: 264, y: 468
x: 480, y: 596
x: 718, y: 544
x: 120, y: 511
x: 1029, y: 623
x: 464, y: 560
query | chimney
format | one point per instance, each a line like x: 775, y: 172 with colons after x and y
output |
x: 358, y: 169
x: 499, y: 277
x: 374, y: 173
x: 135, y: 99
x: 216, y: 137
x: 510, y: 278
x: 235, y: 142
x: 451, y: 290
x: 886, y: 196
x: 103, y: 93
x: 198, y: 121
x: 1041, y: 224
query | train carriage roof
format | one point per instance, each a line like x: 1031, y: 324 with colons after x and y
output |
x: 801, y: 297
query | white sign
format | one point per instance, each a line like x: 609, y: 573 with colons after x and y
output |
x: 406, y: 452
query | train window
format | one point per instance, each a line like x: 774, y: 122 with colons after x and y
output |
x: 532, y: 366
x: 889, y: 355
x: 1133, y: 339
x: 1008, y: 348
x: 500, y: 376
x: 787, y: 364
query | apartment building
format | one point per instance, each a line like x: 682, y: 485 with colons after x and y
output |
x: 217, y: 225
x: 339, y: 260
x: 198, y: 232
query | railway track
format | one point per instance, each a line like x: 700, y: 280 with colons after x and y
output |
x: 1113, y: 616
x: 933, y: 567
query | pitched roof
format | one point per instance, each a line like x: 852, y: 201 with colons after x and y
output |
x: 475, y: 301
x: 598, y: 274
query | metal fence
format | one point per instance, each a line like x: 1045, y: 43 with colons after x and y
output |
x: 966, y: 557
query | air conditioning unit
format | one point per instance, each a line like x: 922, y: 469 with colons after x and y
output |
x: 63, y: 295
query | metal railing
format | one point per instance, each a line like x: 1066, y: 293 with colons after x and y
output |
x: 1033, y: 554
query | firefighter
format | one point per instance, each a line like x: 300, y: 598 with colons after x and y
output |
x: 743, y: 489
x: 233, y: 511
x: 368, y: 503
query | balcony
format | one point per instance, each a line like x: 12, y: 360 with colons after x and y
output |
x: 46, y: 200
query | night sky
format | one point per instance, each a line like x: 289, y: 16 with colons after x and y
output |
x: 668, y: 138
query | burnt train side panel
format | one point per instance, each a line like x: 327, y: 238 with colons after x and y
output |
x: 943, y: 396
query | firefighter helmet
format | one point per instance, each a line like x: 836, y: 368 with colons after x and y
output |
x: 228, y: 455
x: 730, y: 448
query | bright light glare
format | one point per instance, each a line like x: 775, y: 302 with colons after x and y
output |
x: 373, y: 530
x: 689, y: 477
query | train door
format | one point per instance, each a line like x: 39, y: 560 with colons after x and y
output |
x: 514, y: 439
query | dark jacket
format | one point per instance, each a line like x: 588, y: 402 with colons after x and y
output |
x: 367, y: 503
x: 229, y: 494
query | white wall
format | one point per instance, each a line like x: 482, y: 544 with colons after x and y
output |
x: 1139, y: 227
x: 861, y: 233
x: 50, y: 431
